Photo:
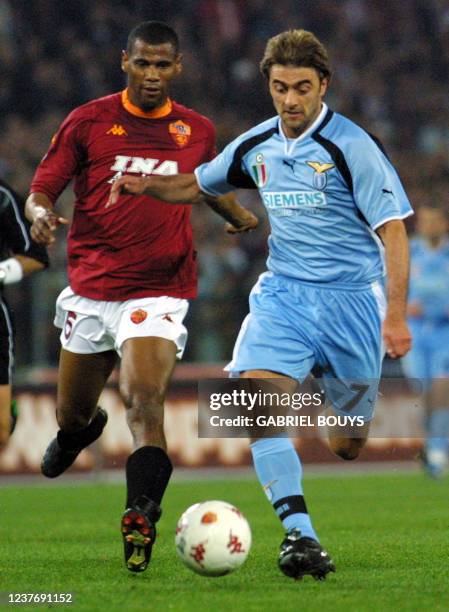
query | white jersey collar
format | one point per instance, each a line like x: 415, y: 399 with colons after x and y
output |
x: 289, y: 144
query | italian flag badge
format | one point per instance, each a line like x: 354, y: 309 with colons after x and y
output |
x: 260, y: 171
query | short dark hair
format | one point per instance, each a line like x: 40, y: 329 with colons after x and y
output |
x: 296, y: 48
x: 153, y: 33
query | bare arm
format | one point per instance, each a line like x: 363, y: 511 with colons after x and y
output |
x: 29, y: 264
x: 40, y: 212
x: 177, y: 189
x: 395, y: 331
x: 239, y: 219
x: 14, y: 268
x: 184, y: 189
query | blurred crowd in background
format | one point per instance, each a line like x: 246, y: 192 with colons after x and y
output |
x: 391, y: 69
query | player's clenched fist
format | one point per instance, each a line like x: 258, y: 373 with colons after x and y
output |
x: 397, y: 337
x: 247, y: 224
x: 134, y: 185
x: 44, y: 225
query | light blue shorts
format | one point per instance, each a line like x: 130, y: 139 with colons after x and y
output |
x: 429, y: 356
x: 294, y: 327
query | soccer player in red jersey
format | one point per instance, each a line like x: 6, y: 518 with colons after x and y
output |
x: 131, y: 267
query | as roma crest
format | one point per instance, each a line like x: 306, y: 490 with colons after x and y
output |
x: 138, y: 316
x: 180, y: 132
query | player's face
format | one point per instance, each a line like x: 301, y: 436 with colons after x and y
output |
x: 150, y: 68
x: 297, y: 94
x: 432, y: 223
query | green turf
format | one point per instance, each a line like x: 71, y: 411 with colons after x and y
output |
x: 388, y: 536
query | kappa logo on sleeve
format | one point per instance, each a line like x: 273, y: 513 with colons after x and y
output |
x: 117, y: 130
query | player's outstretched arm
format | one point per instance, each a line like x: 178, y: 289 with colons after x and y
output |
x: 177, y: 189
x: 184, y: 189
x: 395, y: 331
x: 239, y: 219
x: 29, y: 264
x: 44, y: 221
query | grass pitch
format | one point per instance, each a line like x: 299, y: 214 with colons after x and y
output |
x: 388, y: 536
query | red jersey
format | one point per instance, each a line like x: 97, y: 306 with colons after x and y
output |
x: 141, y: 246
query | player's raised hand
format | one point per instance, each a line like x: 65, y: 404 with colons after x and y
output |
x: 248, y: 223
x: 239, y: 219
x: 134, y: 185
x: 45, y: 223
x: 397, y: 337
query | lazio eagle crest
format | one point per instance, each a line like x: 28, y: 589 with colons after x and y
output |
x: 320, y: 177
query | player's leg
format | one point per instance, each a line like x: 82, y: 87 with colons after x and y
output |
x: 279, y: 471
x: 81, y: 379
x: 347, y: 440
x: 151, y: 337
x: 427, y: 367
x: 147, y: 366
x: 146, y: 369
x: 436, y: 450
x: 6, y: 364
x: 87, y: 359
x: 352, y: 350
x: 275, y: 342
x: 346, y: 446
x: 5, y: 414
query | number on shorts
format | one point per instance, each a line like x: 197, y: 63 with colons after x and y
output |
x: 360, y: 392
x: 70, y: 319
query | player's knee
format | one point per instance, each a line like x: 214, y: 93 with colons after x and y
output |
x: 147, y: 397
x: 348, y: 454
x: 144, y: 408
x: 346, y: 449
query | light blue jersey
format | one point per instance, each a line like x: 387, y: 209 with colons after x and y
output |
x: 429, y: 279
x: 321, y: 304
x: 325, y: 193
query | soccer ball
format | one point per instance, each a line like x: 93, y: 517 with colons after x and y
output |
x: 213, y: 538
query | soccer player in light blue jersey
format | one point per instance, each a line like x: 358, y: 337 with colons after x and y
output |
x: 428, y: 312
x: 336, y: 208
